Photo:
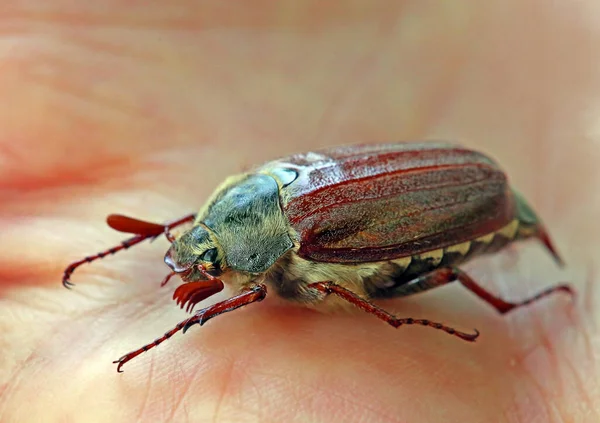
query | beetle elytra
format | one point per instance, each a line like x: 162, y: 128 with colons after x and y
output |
x: 346, y: 224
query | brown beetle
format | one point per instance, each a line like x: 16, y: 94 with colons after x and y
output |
x: 359, y: 222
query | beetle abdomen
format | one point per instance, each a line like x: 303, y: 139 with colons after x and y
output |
x: 395, y: 281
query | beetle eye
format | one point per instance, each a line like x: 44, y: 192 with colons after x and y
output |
x: 209, y: 255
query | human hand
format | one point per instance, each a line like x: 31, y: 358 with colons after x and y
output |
x: 143, y: 109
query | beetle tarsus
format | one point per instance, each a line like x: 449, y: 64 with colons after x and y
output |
x: 329, y: 288
x: 130, y: 356
x: 69, y: 271
x: 254, y: 294
x: 443, y: 276
x: 554, y: 289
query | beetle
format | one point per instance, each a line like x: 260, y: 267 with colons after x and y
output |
x: 344, y: 225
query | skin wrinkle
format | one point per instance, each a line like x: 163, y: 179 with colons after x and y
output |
x: 21, y: 275
x: 577, y: 322
x: 226, y: 381
x: 366, y: 66
x: 317, y: 391
x: 581, y: 386
x: 187, y: 415
x: 146, y: 393
x: 445, y: 97
x: 53, y: 179
x: 537, y: 387
x: 546, y: 347
x: 20, y: 374
x: 22, y: 184
x: 181, y: 400
x: 444, y: 93
x: 357, y: 404
x: 260, y: 399
x: 441, y: 95
x: 130, y: 54
x: 95, y: 42
x: 81, y: 93
x: 16, y: 376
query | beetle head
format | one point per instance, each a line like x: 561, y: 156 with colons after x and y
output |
x: 195, y: 247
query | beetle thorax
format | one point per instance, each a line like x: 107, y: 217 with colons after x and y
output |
x: 247, y: 222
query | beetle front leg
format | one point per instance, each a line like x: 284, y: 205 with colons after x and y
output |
x: 328, y: 288
x: 446, y: 275
x: 251, y: 295
x: 143, y: 231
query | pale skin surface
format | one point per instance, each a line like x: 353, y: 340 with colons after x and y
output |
x: 143, y: 109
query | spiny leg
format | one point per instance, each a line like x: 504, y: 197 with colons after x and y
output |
x: 150, y: 231
x: 250, y: 295
x: 133, y: 354
x: 332, y: 288
x: 445, y: 275
x: 254, y: 294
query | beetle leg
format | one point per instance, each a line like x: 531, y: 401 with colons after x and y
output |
x: 543, y: 236
x: 123, y: 246
x: 332, y: 288
x: 167, y: 278
x: 133, y: 354
x: 445, y: 275
x: 248, y: 296
x: 251, y: 295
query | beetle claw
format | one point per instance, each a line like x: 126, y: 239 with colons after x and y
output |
x: 120, y: 362
x: 468, y: 336
x: 188, y: 325
x: 198, y: 319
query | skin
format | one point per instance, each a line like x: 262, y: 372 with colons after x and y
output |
x: 142, y: 109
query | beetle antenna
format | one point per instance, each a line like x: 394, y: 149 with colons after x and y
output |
x: 144, y: 231
x: 192, y: 293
